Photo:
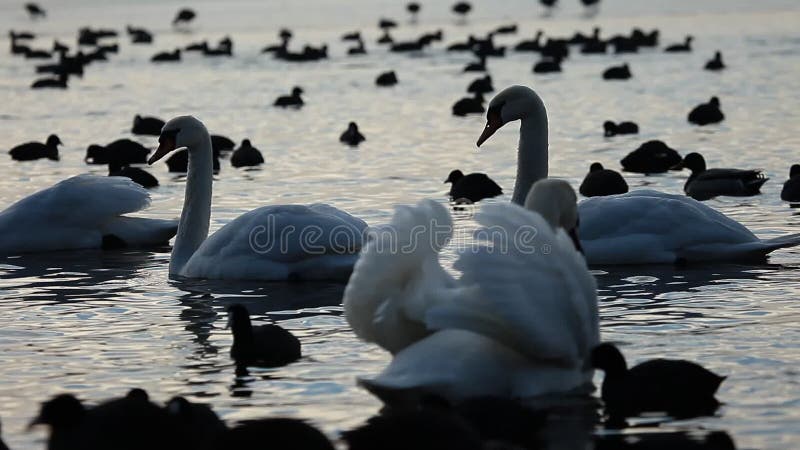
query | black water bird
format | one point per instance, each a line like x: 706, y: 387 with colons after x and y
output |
x: 276, y: 433
x: 547, y: 65
x: 680, y: 48
x: 121, y: 151
x: 60, y: 48
x: 139, y: 35
x: 601, y: 181
x: 651, y: 157
x: 481, y: 85
x: 386, y: 24
x: 624, y: 45
x: 16, y: 35
x: 185, y: 15
x: 196, y: 46
x: 197, y: 424
x: 351, y: 136
x: 386, y: 79
x: 677, y: 387
x: 791, y: 188
x: 704, y: 184
x: 418, y: 429
x: 555, y: 48
x: 264, y: 345
x: 178, y: 161
x: 506, y: 29
x: 37, y: 54
x: 352, y: 36
x: 715, y: 63
x: 530, y: 45
x: 89, y: 36
x: 167, y: 56
x: 413, y: 8
x: 612, y: 129
x: 706, y: 113
x: 221, y: 143
x: 469, y: 105
x: 359, y: 49
x: 473, y: 187
x: 292, y: 100
x: 150, y: 126
x: 30, y: 151
x: 644, y: 39
x: 476, y: 66
x: 59, y: 82
x: 622, y: 72
x: 246, y: 155
x: 385, y: 38
x: 462, y: 8
x: 35, y: 11
x: 139, y: 176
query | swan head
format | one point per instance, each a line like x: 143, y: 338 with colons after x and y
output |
x: 557, y: 203
x: 179, y: 133
x: 512, y: 103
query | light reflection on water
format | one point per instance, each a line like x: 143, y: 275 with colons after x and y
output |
x: 99, y: 323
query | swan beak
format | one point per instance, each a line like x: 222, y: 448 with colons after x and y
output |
x: 492, y: 125
x: 573, y: 234
x: 165, y: 145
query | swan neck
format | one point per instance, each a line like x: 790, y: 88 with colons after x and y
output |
x: 196, y: 213
x: 532, y: 155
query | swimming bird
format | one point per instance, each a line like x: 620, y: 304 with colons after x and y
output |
x: 279, y: 432
x: 640, y: 227
x: 263, y: 345
x: 30, y: 151
x: 705, y: 184
x: 139, y: 176
x: 359, y: 49
x: 82, y: 212
x: 677, y: 387
x: 530, y: 45
x: 59, y: 82
x: 473, y: 187
x: 246, y: 155
x: 477, y: 66
x: 651, y: 157
x: 121, y: 151
x: 386, y: 79
x: 679, y: 48
x: 469, y: 105
x: 195, y: 424
x: 294, y: 100
x: 791, y: 188
x: 146, y: 125
x: 267, y: 243
x: 139, y: 35
x: 706, y: 113
x: 481, y: 85
x: 173, y: 56
x: 612, y: 129
x: 462, y: 8
x: 547, y: 65
x: 184, y: 16
x: 601, y: 181
x: 35, y: 11
x: 622, y: 72
x: 715, y: 63
x: 178, y: 161
x: 522, y: 322
x: 351, y: 135
x: 413, y: 8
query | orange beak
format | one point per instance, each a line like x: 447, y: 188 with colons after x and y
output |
x: 493, y: 123
x: 165, y: 145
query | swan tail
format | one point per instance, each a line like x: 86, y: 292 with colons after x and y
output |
x: 789, y: 240
x: 125, y: 231
x: 396, y: 275
x: 755, y: 251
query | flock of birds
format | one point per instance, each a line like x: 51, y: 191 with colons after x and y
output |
x: 510, y: 344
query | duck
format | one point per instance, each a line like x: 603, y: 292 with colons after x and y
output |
x: 612, y: 129
x: 139, y: 35
x: 195, y: 424
x: 651, y: 157
x: 481, y: 85
x: 279, y: 432
x: 246, y: 155
x: 462, y: 8
x: 172, y: 56
x: 35, y: 11
x: 498, y: 317
x: 96, y: 208
x: 294, y: 100
x: 622, y: 72
x: 705, y: 184
x: 178, y: 162
x: 264, y: 345
x: 352, y: 136
x: 149, y: 126
x: 59, y: 82
x: 359, y: 49
x: 413, y: 9
x: 601, y: 181
x: 122, y: 151
x: 680, y: 48
x: 547, y: 65
x: 386, y: 79
x: 469, y: 105
x: 706, y: 113
x: 715, y: 63
x: 677, y: 387
x: 246, y: 247
x: 30, y: 151
x: 530, y: 45
x: 476, y: 66
x: 184, y: 16
x: 139, y: 176
x: 221, y: 143
x: 473, y: 187
x: 641, y: 227
x: 791, y: 188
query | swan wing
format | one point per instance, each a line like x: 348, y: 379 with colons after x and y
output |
x: 398, y: 276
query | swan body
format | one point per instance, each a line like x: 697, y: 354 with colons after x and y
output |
x: 82, y: 212
x: 639, y: 227
x: 278, y: 242
x: 520, y: 322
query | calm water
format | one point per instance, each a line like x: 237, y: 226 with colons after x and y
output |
x: 99, y: 323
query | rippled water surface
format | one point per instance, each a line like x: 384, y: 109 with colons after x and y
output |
x: 98, y: 323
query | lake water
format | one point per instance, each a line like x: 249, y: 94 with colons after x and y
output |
x: 99, y: 323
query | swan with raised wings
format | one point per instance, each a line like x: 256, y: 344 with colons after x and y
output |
x: 640, y: 227
x: 520, y: 322
x: 271, y: 243
x: 82, y: 212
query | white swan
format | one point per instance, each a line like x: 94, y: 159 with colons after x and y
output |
x: 520, y: 322
x: 639, y: 227
x: 82, y: 212
x: 279, y: 242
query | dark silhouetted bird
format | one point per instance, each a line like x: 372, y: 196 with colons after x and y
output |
x: 167, y: 56
x: 678, y: 48
x: 246, y: 155
x: 651, y: 157
x: 351, y: 135
x: 386, y: 79
x: 481, y: 85
x: 612, y: 129
x: 140, y: 176
x: 35, y: 11
x: 715, y: 63
x: 601, y: 181
x: 221, y: 143
x: 622, y: 72
x: 183, y: 16
x: 197, y: 423
x: 293, y: 100
x: 178, y: 162
x: 473, y: 187
x: 547, y: 65
x: 59, y: 82
x: 704, y: 184
x: 121, y: 151
x: 469, y: 105
x: 264, y: 345
x: 36, y: 150
x: 276, y: 433
x: 706, y: 113
x: 425, y: 429
x: 150, y: 126
x: 139, y: 35
x: 462, y: 8
x: 791, y: 188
